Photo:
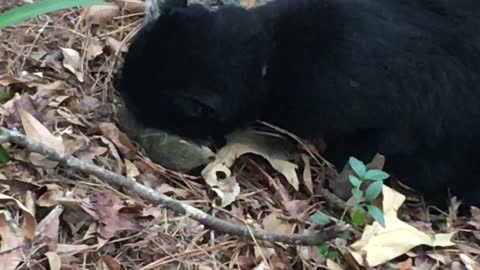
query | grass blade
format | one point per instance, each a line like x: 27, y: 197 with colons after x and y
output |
x: 25, y: 12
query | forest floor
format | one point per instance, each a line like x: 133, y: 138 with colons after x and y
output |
x: 56, y: 71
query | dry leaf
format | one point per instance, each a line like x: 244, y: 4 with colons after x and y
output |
x: 94, y: 49
x: 54, y: 260
x: 469, y: 262
x: 131, y: 169
x: 53, y: 61
x: 228, y: 190
x: 36, y: 131
x: 243, y: 142
x: 405, y: 265
x: 11, y: 237
x: 48, y: 229
x: 297, y: 208
x: 166, y: 188
x: 331, y: 265
x: 101, y: 14
x: 131, y: 6
x: 50, y: 88
x: 11, y: 240
x: 50, y: 197
x: 72, y: 62
x: 380, y: 244
x: 248, y: 3
x: 307, y: 173
x: 116, y: 45
x: 273, y: 223
x: 110, y: 219
x: 74, y: 249
x: 70, y: 116
x: 58, y: 100
x: 120, y: 139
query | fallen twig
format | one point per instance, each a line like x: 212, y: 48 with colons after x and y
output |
x: 157, y: 198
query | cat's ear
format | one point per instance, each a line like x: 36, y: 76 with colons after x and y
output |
x: 168, y: 5
x: 155, y: 8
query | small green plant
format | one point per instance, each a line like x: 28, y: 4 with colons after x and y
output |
x: 25, y: 12
x: 363, y: 200
x: 323, y: 249
x: 4, y: 156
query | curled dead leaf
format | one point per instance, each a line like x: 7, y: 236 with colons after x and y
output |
x: 101, y: 14
x: 72, y: 62
x: 94, y: 49
x: 131, y: 6
x: 381, y: 244
x: 116, y: 45
x: 29, y: 222
x: 273, y: 149
x: 38, y: 132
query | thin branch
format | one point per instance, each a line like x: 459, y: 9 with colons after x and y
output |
x: 157, y: 198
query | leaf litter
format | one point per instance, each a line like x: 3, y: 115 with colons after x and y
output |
x: 57, y: 69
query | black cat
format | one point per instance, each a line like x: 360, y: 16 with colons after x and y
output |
x: 399, y: 77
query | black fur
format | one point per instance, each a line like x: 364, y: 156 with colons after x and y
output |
x: 399, y: 77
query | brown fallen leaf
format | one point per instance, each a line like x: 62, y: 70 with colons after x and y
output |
x: 29, y: 223
x: 110, y: 263
x: 36, y: 131
x: 131, y: 6
x: 73, y: 62
x: 46, y: 90
x: 94, y: 49
x: 297, y: 209
x: 120, y: 139
x: 48, y: 229
x: 14, y: 240
x: 51, y: 196
x: 109, y: 218
x: 11, y: 252
x: 307, y: 173
x: 116, y: 45
x: 101, y: 14
x: 273, y: 223
x: 70, y: 116
x: 53, y: 61
x: 131, y: 169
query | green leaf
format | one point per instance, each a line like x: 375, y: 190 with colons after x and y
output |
x: 354, y: 181
x: 4, y: 96
x: 376, y: 214
x: 358, y: 217
x: 357, y: 193
x: 358, y: 167
x: 25, y: 12
x: 346, y: 235
x: 323, y: 249
x: 373, y: 190
x: 376, y: 175
x: 4, y: 156
x: 319, y: 218
x: 333, y: 255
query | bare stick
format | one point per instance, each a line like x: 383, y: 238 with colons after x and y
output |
x: 157, y: 198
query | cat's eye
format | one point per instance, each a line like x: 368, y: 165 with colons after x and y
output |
x: 193, y: 108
